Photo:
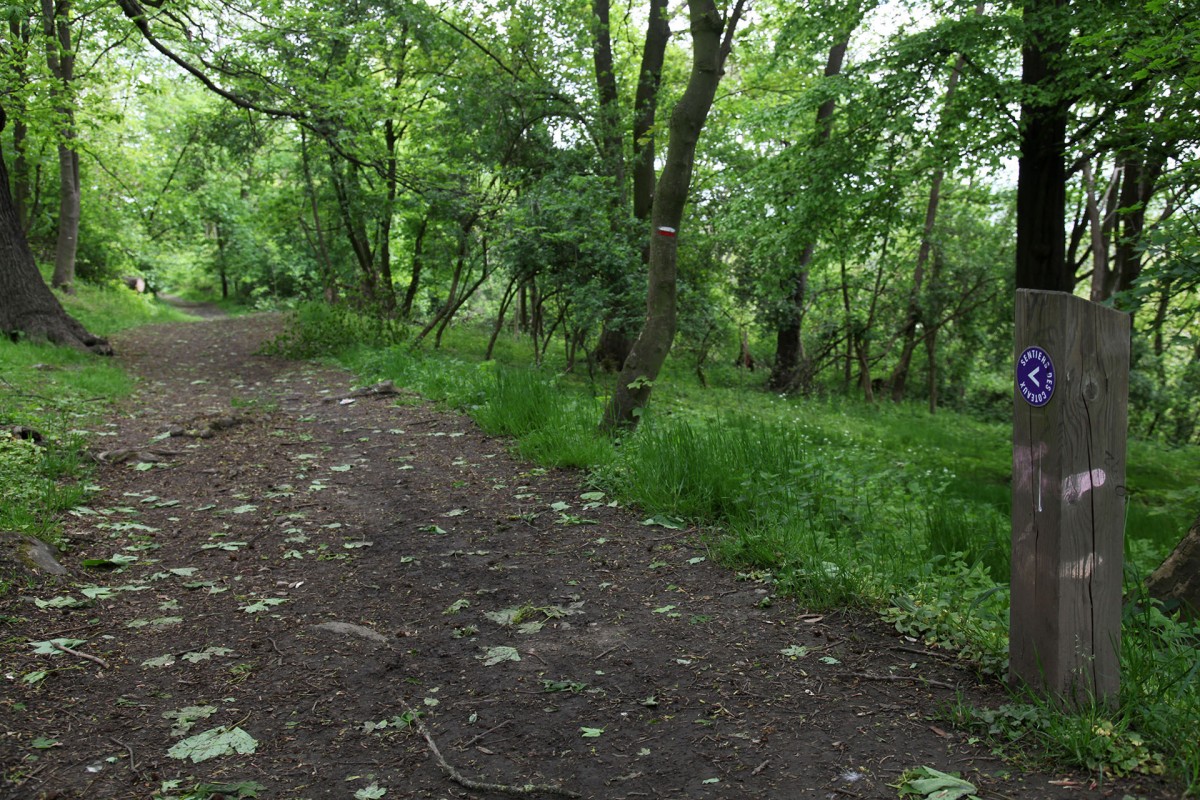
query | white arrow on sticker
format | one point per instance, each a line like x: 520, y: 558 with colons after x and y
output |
x: 1033, y: 376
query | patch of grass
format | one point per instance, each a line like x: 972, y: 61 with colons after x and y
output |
x: 58, y: 393
x: 108, y: 308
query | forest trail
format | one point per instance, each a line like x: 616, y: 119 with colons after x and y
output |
x: 285, y: 570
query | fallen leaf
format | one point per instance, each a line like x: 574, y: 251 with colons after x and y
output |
x: 213, y: 744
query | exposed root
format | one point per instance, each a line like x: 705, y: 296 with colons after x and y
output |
x: 525, y: 790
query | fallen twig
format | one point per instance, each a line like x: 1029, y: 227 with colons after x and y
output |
x: 87, y: 656
x: 526, y: 790
x: 914, y: 678
x: 485, y: 733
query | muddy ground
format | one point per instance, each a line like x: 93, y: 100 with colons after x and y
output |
x: 280, y: 573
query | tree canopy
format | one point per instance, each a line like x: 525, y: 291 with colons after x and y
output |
x: 844, y: 191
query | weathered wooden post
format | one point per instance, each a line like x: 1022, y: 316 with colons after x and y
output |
x: 1068, y: 514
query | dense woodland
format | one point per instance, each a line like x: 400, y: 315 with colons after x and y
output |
x: 840, y: 198
x: 858, y: 187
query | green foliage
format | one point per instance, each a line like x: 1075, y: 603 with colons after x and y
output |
x: 320, y: 330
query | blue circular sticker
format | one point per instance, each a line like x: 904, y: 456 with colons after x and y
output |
x: 1035, y: 376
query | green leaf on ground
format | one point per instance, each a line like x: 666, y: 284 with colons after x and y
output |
x: 196, y: 656
x: 372, y: 792
x: 930, y: 784
x: 61, y: 601
x: 591, y: 733
x: 160, y: 661
x: 664, y: 521
x: 263, y: 604
x: 185, y: 718
x: 457, y: 606
x: 214, y: 743
x: 795, y: 651
x: 497, y: 655
x: 114, y: 562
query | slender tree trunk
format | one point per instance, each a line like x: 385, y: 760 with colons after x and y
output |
x: 792, y: 370
x: 318, y: 243
x: 1041, y: 166
x: 27, y: 306
x: 641, y: 368
x: 612, y: 144
x: 414, y: 282
x: 510, y: 291
x: 645, y: 108
x: 61, y: 60
x: 616, y: 335
x: 913, y: 314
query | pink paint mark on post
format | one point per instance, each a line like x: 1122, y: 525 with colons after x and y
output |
x: 1079, y: 484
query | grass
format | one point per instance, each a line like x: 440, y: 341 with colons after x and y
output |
x: 59, y: 393
x: 846, y: 504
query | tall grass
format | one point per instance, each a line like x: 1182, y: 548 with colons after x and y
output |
x: 843, y: 504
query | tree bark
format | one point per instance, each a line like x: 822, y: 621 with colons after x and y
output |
x: 27, y: 306
x: 616, y: 336
x: 21, y: 195
x: 1177, y: 579
x: 641, y: 368
x: 1041, y: 166
x: 60, y: 58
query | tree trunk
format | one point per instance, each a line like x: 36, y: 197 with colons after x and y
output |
x: 616, y: 334
x: 792, y: 369
x: 1041, y: 166
x: 27, y: 306
x: 913, y: 315
x: 1177, y: 580
x: 61, y: 60
x: 414, y: 282
x: 645, y: 106
x: 18, y: 27
x: 687, y: 120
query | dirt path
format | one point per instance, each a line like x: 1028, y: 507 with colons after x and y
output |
x: 313, y: 567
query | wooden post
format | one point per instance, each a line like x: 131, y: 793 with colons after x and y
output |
x: 1068, y: 514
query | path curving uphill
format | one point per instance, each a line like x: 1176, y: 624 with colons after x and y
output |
x: 306, y: 591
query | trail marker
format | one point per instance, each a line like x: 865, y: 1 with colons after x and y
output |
x: 1070, y: 407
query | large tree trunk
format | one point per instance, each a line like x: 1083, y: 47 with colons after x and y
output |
x: 61, y: 60
x: 1177, y: 580
x: 27, y: 306
x: 1041, y: 168
x: 637, y: 376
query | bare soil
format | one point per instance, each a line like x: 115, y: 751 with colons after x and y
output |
x: 315, y: 567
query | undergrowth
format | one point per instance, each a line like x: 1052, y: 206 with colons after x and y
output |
x: 838, y: 505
